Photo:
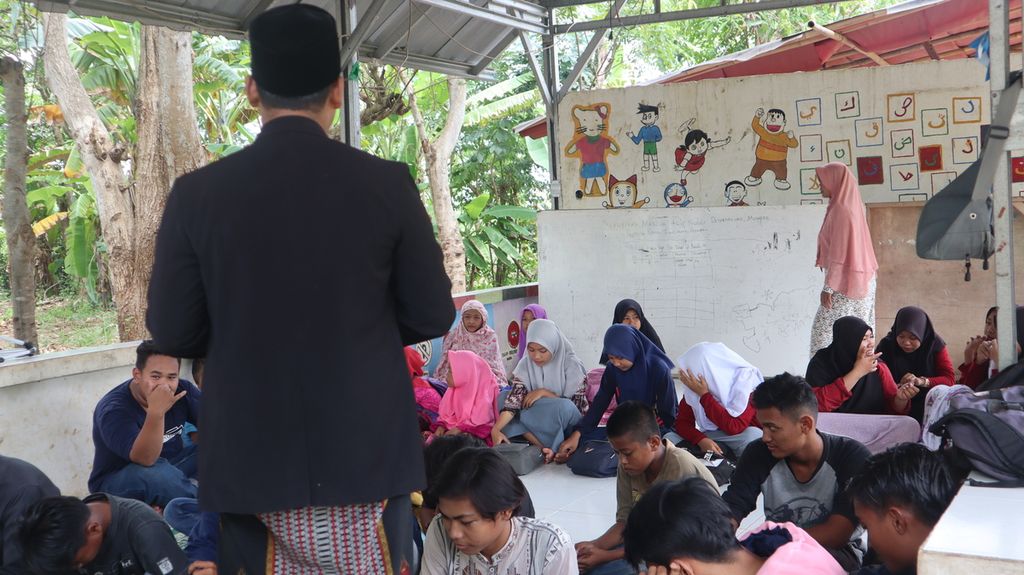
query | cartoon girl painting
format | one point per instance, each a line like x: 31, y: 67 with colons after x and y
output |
x: 591, y: 145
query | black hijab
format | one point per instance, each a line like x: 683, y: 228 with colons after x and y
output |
x: 920, y: 362
x: 621, y: 309
x: 836, y: 360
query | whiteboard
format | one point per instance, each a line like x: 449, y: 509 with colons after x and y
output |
x: 744, y: 276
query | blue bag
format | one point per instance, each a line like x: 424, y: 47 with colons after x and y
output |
x: 594, y: 459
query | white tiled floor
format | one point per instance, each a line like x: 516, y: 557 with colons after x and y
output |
x: 584, y: 506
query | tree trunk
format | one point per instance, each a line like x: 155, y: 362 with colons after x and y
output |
x: 438, y: 156
x: 21, y: 242
x: 168, y: 145
x: 103, y: 162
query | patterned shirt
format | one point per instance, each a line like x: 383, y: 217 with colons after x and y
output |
x: 534, y: 547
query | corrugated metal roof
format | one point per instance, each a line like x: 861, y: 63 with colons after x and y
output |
x: 450, y: 36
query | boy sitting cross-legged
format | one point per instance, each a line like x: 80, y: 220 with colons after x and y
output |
x: 644, y: 459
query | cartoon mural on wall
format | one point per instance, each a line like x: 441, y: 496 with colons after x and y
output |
x: 690, y: 157
x: 592, y: 145
x: 736, y: 193
x: 649, y: 135
x: 903, y: 130
x: 676, y: 196
x: 772, y: 147
x: 624, y: 194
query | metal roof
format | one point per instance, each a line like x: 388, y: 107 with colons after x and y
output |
x: 457, y: 37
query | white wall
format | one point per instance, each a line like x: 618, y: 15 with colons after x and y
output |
x: 46, y: 406
x: 813, y: 103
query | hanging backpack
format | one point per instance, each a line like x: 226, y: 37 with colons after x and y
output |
x: 983, y: 433
x: 956, y: 223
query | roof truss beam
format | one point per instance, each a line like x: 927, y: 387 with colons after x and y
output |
x: 675, y: 16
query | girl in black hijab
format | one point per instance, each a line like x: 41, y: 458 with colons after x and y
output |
x: 629, y: 312
x: 916, y: 355
x: 848, y: 378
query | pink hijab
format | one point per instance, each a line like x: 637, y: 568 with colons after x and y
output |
x: 470, y: 400
x: 483, y: 342
x: 844, y: 242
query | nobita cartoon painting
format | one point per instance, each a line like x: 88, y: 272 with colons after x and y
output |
x: 591, y: 145
x: 649, y: 135
x: 623, y: 194
x: 691, y: 155
x: 736, y: 193
x: 676, y: 196
x: 772, y: 147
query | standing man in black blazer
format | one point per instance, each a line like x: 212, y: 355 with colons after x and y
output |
x: 299, y: 267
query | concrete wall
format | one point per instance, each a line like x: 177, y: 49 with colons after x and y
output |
x: 46, y: 402
x: 903, y: 130
x: 46, y: 405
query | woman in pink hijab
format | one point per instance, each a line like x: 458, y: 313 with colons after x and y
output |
x: 845, y: 254
x: 470, y: 404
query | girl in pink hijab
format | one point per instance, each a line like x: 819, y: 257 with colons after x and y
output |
x: 469, y: 405
x: 845, y: 254
x: 472, y: 333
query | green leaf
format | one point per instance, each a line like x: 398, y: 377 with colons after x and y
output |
x: 514, y: 212
x: 499, y: 90
x: 46, y: 194
x: 474, y: 208
x: 473, y: 255
x: 501, y: 242
x: 538, y: 149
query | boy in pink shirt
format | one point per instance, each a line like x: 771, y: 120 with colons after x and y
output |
x: 685, y: 527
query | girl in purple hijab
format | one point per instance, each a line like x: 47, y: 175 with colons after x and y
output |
x: 529, y: 313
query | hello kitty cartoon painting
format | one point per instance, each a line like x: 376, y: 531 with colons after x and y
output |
x: 592, y: 145
x: 624, y: 194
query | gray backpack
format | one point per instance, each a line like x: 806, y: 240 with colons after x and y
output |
x: 983, y: 432
x: 956, y: 224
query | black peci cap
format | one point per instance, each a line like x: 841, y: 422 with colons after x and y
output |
x: 295, y: 50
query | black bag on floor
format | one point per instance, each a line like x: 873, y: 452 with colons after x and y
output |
x: 594, y: 459
x: 523, y: 457
x: 1009, y: 377
x: 987, y: 440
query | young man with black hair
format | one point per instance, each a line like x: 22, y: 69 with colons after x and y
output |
x: 644, y: 460
x: 899, y: 497
x: 479, y: 528
x: 21, y: 485
x: 684, y: 527
x: 100, y: 535
x: 800, y: 471
x: 137, y: 432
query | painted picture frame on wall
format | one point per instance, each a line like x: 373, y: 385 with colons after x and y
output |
x: 1017, y: 166
x: 965, y: 150
x: 870, y: 171
x: 904, y: 177
x: 901, y: 107
x: 967, y: 110
x: 811, y: 148
x: 809, y: 184
x: 930, y: 158
x: 902, y: 143
x: 847, y: 105
x: 940, y: 180
x: 839, y: 151
x: 869, y: 132
x: 934, y: 122
x: 808, y: 112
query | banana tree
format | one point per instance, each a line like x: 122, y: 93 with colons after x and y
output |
x: 494, y: 238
